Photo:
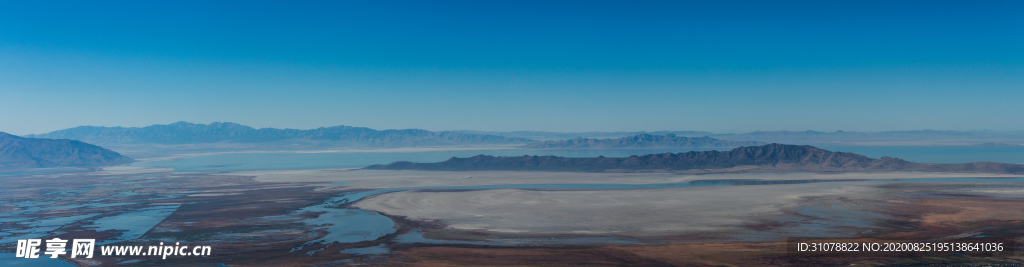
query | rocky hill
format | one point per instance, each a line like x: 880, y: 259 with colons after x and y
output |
x: 644, y: 141
x: 217, y: 132
x: 26, y: 153
x: 765, y: 158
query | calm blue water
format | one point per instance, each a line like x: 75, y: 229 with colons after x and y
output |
x: 38, y: 228
x: 279, y: 161
x: 939, y: 154
x: 41, y: 171
x: 135, y: 223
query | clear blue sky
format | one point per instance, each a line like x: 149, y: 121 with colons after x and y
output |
x: 720, y: 66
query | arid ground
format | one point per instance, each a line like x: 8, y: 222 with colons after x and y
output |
x: 263, y: 218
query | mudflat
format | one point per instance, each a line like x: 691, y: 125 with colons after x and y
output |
x: 727, y: 211
x: 835, y: 207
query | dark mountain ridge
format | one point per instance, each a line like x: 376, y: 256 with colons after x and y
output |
x: 765, y: 158
x: 644, y: 141
x: 191, y: 133
x: 25, y: 153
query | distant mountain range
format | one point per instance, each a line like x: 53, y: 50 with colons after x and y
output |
x: 644, y: 141
x: 997, y: 144
x: 220, y: 136
x: 26, y: 153
x: 338, y: 136
x: 765, y: 158
x: 837, y: 138
x: 547, y: 136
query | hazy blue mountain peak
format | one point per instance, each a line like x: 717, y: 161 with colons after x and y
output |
x: 25, y: 153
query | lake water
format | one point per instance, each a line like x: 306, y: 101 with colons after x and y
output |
x: 280, y: 161
x: 939, y: 154
x: 40, y: 171
x: 134, y: 223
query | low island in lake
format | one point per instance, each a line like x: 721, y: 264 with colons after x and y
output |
x: 764, y: 158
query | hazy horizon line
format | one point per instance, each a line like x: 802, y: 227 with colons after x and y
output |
x: 545, y: 131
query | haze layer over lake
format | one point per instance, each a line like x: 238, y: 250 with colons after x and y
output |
x: 292, y: 160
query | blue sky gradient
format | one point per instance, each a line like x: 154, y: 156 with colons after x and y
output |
x: 720, y: 66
